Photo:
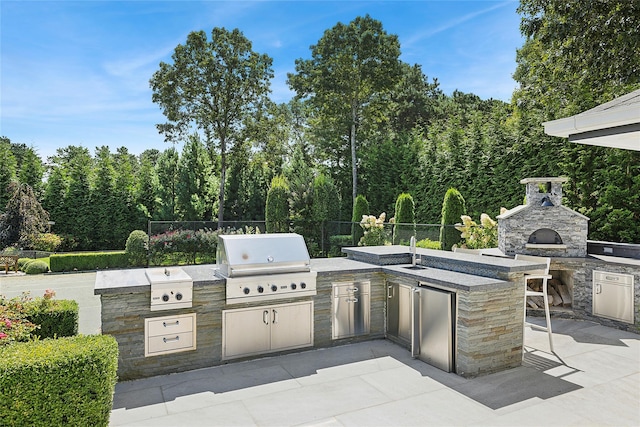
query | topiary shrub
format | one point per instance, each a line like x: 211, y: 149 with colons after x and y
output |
x: 360, y: 209
x: 405, y: 219
x: 136, y: 248
x: 453, y: 207
x: 36, y: 267
x: 66, y: 381
x: 277, y: 207
x: 325, y: 207
x: 22, y: 263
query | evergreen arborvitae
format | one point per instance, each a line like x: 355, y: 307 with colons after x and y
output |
x: 360, y: 208
x: 453, y: 208
x: 324, y: 207
x: 277, y: 207
x: 405, y: 217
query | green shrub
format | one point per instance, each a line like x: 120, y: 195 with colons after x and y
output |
x: 428, y: 244
x: 36, y: 267
x: 405, y: 219
x: 48, y: 242
x: 453, y: 207
x: 338, y: 242
x: 277, y: 207
x: 88, y: 261
x: 360, y: 209
x: 136, y: 248
x: 325, y: 206
x: 56, y: 318
x: 67, y: 381
x: 184, y: 246
x: 22, y: 263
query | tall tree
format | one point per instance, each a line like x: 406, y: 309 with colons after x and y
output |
x: 167, y: 171
x: 32, y: 170
x: 104, y: 203
x: 24, y: 219
x: 212, y: 86
x: 7, y: 170
x: 350, y: 66
x: 194, y: 169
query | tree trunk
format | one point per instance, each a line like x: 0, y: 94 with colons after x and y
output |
x: 223, y: 173
x: 354, y: 168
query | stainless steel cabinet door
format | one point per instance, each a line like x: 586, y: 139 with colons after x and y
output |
x: 291, y: 326
x: 245, y: 332
x: 350, y: 306
x: 399, y: 312
x: 433, y: 327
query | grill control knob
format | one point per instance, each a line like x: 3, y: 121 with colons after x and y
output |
x: 178, y: 296
x: 274, y: 288
x: 246, y: 291
x: 294, y: 286
x: 165, y: 297
x: 303, y: 285
x: 260, y: 289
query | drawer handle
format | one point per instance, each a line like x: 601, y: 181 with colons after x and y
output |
x: 611, y: 278
x: 166, y: 340
x: 352, y: 299
x: 354, y: 289
x: 176, y: 323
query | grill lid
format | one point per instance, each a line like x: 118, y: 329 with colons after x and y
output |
x: 252, y: 254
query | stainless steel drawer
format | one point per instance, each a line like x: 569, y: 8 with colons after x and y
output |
x: 169, y: 334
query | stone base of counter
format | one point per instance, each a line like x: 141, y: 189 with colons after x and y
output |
x: 489, y: 331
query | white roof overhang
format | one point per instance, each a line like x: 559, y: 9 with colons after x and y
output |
x: 615, y: 124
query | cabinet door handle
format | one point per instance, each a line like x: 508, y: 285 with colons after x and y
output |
x: 389, y: 292
x: 176, y: 323
x: 166, y: 340
x: 275, y: 316
x: 265, y: 317
x: 598, y: 288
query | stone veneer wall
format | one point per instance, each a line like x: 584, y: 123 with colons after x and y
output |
x: 123, y: 316
x: 489, y: 330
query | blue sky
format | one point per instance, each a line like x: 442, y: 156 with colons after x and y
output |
x: 77, y: 72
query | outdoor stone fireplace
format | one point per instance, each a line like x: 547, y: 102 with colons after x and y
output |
x: 543, y: 226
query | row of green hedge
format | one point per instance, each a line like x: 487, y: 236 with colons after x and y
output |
x: 66, y: 381
x: 88, y: 261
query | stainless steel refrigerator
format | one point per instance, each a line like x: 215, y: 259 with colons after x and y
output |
x: 433, y: 326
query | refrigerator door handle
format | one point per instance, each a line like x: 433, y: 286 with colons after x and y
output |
x: 415, y: 323
x: 389, y: 292
x: 598, y: 288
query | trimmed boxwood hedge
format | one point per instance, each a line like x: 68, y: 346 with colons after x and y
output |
x: 66, y: 381
x: 88, y: 261
x: 57, y: 318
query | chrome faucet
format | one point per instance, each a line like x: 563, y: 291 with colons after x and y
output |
x: 412, y: 249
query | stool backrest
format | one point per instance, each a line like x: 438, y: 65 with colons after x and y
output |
x: 537, y: 259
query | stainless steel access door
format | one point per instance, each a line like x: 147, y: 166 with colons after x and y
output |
x: 399, y: 312
x: 433, y: 327
x: 351, y: 305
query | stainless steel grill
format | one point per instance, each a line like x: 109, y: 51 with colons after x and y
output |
x: 261, y: 267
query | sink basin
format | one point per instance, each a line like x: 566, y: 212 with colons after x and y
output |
x: 415, y: 267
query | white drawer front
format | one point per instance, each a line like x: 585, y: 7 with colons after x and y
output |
x: 170, y: 343
x: 169, y: 325
x: 169, y: 334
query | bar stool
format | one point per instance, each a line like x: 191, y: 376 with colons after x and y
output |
x: 538, y: 274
